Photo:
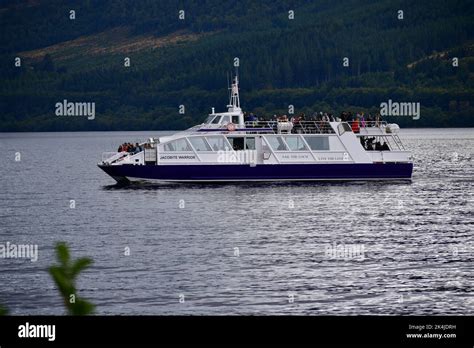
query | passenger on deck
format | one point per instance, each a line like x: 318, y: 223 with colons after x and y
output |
x: 369, y: 145
x: 349, y: 117
x: 369, y: 120
x: 297, y: 127
x: 355, y: 125
x: 138, y: 148
x: 378, y: 120
x: 362, y: 120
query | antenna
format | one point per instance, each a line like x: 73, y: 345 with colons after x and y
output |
x: 234, y: 102
x: 228, y: 85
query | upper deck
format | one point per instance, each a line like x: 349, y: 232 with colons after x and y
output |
x: 371, y: 128
x: 270, y: 127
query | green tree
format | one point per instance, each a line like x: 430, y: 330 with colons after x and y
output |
x: 47, y: 64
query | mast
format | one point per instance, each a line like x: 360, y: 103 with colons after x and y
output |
x: 234, y: 102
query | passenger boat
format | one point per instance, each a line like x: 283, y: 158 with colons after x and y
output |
x: 226, y: 148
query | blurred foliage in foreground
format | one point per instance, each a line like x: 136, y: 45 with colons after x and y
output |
x: 65, y: 274
x: 3, y: 310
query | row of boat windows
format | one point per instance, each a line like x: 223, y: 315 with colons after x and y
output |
x: 277, y: 143
x: 296, y: 143
x: 223, y: 119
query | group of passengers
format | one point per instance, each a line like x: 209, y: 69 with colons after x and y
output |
x: 250, y: 117
x: 369, y: 119
x: 371, y: 144
x: 322, y: 117
x: 345, y: 116
x: 130, y: 148
x: 321, y: 120
x: 359, y: 120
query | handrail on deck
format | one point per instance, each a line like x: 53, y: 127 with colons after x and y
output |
x: 298, y: 127
x: 110, y: 157
x: 371, y: 124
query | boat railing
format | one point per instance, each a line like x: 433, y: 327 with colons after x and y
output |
x: 297, y: 127
x: 110, y: 157
x: 371, y: 124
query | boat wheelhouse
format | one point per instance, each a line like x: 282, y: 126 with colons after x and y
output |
x: 227, y: 148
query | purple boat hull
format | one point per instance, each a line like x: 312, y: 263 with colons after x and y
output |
x: 267, y: 172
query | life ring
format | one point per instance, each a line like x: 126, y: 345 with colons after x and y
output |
x: 231, y: 127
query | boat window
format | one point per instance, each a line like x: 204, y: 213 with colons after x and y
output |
x: 296, y: 143
x: 216, y: 120
x: 225, y: 119
x: 318, y: 143
x: 276, y: 143
x: 250, y: 143
x: 209, y: 119
x: 218, y: 143
x: 235, y: 119
x: 237, y: 143
x: 344, y: 127
x: 199, y: 144
x: 178, y: 145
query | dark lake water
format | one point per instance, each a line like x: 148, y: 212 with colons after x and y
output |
x: 407, y: 248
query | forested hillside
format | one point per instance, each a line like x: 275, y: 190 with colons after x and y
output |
x: 283, y: 60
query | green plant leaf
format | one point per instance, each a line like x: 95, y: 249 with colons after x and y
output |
x: 82, y: 307
x: 3, y: 310
x: 80, y: 265
x: 64, y: 275
x: 62, y: 253
x: 62, y: 280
